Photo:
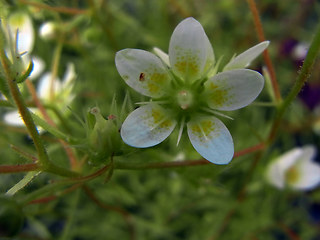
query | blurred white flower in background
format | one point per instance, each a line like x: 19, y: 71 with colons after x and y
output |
x: 295, y: 169
x: 48, y: 30
x: 55, y: 91
x: 21, y: 39
x: 20, y: 30
x: 50, y: 91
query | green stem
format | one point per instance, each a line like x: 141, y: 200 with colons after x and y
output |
x: 303, y: 76
x: 52, y: 168
x: 43, y: 158
x: 24, y: 112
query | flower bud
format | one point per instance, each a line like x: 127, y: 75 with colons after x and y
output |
x: 104, y: 137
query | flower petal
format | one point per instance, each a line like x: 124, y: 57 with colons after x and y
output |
x: 147, y: 126
x: 38, y: 67
x: 210, y: 137
x: 67, y: 85
x: 143, y: 71
x: 277, y: 170
x: 309, y: 176
x: 13, y: 118
x: 44, y: 87
x: 190, y: 51
x: 243, y: 60
x: 162, y: 55
x: 233, y: 89
x: 22, y: 22
x: 307, y: 170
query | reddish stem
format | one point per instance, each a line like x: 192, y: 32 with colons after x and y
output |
x: 19, y: 168
x: 53, y: 197
x: 187, y: 163
x: 66, y: 10
x: 266, y: 56
x: 72, y: 158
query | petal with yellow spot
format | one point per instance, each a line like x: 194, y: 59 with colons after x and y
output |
x: 233, y: 89
x: 147, y: 126
x: 143, y: 71
x: 190, y: 52
x: 212, y: 140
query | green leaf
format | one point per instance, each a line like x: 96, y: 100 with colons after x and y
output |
x: 24, y: 182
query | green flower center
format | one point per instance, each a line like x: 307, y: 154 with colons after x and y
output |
x: 185, y: 99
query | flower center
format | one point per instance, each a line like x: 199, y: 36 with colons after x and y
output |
x: 292, y: 175
x: 185, y: 99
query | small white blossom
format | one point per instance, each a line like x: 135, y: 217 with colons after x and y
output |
x: 295, y: 169
x: 186, y: 89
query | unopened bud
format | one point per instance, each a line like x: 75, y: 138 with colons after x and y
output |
x: 104, y: 138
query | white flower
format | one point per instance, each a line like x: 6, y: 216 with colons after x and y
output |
x: 21, y: 23
x: 295, y: 169
x: 50, y: 91
x: 186, y: 90
x: 21, y: 38
x: 55, y: 91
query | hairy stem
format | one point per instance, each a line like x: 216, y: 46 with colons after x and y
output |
x: 19, y: 168
x: 72, y: 158
x: 266, y: 56
x: 303, y: 76
x: 24, y: 112
x: 189, y: 163
x: 66, y: 10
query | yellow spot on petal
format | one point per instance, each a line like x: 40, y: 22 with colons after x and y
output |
x: 153, y: 88
x: 203, y: 129
x: 190, y: 67
x: 187, y: 62
x: 159, y: 118
x: 219, y: 97
x: 212, y: 86
x: 155, y: 81
x: 159, y: 78
x: 292, y: 175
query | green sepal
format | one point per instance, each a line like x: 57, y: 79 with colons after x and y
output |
x: 26, y: 74
x: 104, y: 138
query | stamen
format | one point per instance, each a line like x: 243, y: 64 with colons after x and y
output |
x: 217, y: 113
x: 159, y: 102
x: 181, y: 130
